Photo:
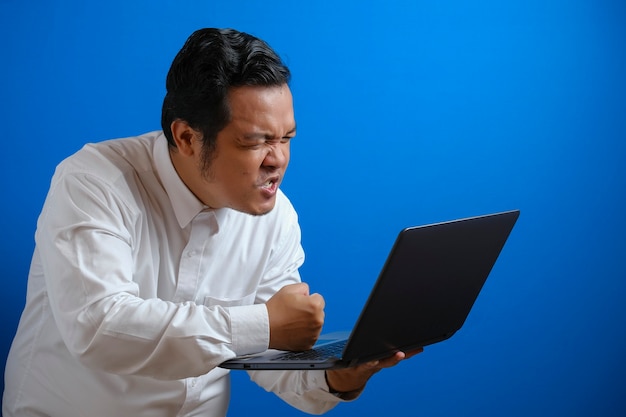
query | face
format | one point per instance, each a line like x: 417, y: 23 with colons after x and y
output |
x: 251, y: 153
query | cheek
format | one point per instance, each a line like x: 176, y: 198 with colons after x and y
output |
x: 287, y: 155
x: 236, y: 167
x: 248, y: 166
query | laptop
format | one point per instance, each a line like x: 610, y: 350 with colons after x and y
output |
x: 423, y: 295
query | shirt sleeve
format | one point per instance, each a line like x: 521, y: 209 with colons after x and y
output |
x: 304, y: 390
x: 86, y: 251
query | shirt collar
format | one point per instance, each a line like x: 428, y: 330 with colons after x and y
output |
x: 185, y: 204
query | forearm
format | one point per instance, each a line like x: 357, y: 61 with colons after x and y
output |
x: 304, y: 390
x: 126, y: 335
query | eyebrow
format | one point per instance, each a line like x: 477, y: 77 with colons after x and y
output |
x: 262, y: 135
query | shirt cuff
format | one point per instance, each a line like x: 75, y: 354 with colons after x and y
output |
x: 344, y: 396
x: 250, y: 329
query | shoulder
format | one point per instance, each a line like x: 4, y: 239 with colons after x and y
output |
x: 284, y: 209
x: 112, y: 157
x: 280, y: 220
x: 282, y: 201
x: 116, y: 168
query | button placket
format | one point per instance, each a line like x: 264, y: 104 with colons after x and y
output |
x: 192, y: 399
x: 191, y: 260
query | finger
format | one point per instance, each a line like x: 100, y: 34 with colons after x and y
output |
x: 388, y: 362
x: 400, y: 356
x: 413, y: 353
x: 318, y: 300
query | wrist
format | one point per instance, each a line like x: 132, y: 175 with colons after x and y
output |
x: 344, y: 395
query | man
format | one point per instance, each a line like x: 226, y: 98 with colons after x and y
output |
x: 160, y: 256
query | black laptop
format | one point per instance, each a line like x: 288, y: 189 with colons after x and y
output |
x: 423, y: 295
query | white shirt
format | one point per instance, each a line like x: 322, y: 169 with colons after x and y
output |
x: 137, y: 291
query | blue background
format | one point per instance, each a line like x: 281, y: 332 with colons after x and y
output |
x: 408, y: 113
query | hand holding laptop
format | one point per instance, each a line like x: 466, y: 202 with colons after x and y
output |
x: 351, y: 381
x: 296, y: 318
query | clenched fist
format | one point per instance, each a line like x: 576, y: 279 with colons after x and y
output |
x: 296, y: 318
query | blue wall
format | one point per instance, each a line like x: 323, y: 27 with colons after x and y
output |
x: 408, y: 112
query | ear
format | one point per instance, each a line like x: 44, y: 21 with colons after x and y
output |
x: 184, y: 136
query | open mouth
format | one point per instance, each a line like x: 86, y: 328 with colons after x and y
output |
x: 270, y: 184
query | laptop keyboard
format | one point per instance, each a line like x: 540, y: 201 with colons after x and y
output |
x: 334, y: 349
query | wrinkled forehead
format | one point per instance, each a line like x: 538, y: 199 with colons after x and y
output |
x: 264, y: 111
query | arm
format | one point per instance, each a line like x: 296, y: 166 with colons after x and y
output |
x: 316, y: 392
x: 98, y: 297
x: 304, y: 390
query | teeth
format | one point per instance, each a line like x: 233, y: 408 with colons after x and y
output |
x: 268, y: 184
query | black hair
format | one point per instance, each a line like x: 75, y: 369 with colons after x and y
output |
x: 210, y: 63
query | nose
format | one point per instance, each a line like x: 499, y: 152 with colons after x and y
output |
x: 277, y: 155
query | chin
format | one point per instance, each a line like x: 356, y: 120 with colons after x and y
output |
x: 260, y: 213
x: 257, y: 210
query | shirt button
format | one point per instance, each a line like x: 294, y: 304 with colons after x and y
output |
x: 191, y: 253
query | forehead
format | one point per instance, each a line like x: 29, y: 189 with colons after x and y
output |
x: 266, y: 108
